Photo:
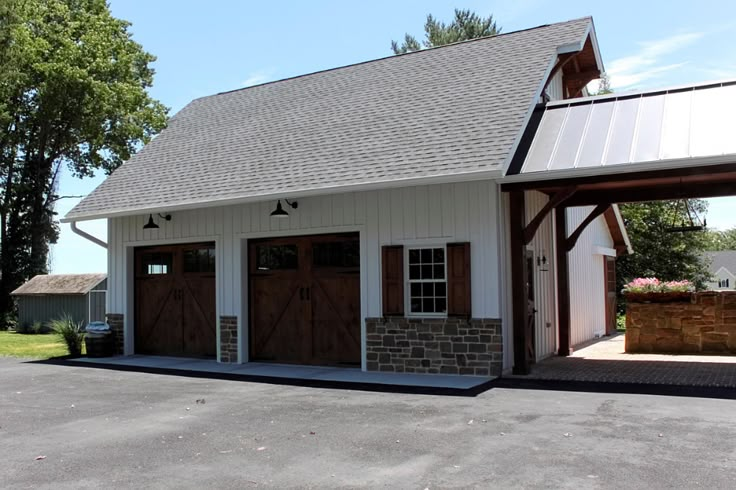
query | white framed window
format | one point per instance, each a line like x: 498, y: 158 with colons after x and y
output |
x: 723, y: 283
x: 426, y: 280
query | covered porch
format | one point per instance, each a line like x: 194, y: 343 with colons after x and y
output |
x: 598, y: 151
x: 605, y: 361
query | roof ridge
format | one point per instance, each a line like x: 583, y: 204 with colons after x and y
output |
x: 420, y: 51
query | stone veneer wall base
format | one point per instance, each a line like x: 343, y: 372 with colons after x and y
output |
x: 117, y: 324
x: 435, y: 345
x: 228, y: 339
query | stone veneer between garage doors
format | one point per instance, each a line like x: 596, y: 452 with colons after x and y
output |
x: 434, y: 345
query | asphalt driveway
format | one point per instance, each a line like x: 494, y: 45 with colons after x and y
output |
x: 101, y: 428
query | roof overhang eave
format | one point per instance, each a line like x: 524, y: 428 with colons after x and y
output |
x: 634, y: 167
x: 580, y: 45
x: 622, y: 228
x: 493, y: 174
x: 596, y: 48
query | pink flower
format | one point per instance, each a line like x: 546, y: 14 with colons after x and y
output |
x: 654, y: 285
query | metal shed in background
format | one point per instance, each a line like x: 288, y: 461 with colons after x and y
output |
x: 48, y: 297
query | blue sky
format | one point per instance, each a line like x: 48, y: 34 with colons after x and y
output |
x: 217, y: 45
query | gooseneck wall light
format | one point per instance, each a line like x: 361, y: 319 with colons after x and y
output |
x: 280, y: 212
x: 151, y: 225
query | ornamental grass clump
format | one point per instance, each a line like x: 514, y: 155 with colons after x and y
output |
x: 71, y: 332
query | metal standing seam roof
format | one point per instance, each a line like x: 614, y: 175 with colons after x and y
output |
x: 447, y: 111
x: 46, y: 284
x: 687, y: 126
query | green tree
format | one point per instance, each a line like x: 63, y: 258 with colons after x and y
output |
x: 605, y: 85
x: 466, y: 25
x: 73, y: 93
x: 658, y: 252
x: 717, y: 240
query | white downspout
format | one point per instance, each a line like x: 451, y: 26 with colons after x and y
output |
x: 86, y: 235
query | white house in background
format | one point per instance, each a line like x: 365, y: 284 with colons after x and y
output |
x: 353, y: 216
x: 723, y: 269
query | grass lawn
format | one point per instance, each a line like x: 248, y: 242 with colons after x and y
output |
x: 41, y: 346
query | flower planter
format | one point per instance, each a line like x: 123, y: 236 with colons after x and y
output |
x: 663, y: 297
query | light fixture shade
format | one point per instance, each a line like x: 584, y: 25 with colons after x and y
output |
x: 279, y: 211
x: 150, y: 225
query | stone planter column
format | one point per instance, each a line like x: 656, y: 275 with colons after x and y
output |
x: 705, y: 324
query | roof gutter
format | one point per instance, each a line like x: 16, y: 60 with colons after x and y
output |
x: 87, y: 236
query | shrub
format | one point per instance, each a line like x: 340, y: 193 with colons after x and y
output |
x: 24, y: 328
x: 31, y: 329
x: 621, y: 323
x: 7, y: 322
x: 40, y: 328
x: 11, y: 323
x: 71, y: 332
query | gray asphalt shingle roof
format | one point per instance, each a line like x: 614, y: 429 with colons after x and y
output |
x: 433, y: 113
x: 725, y: 259
x: 60, y: 284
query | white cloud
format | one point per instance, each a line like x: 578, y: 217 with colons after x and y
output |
x: 630, y: 79
x: 648, y: 62
x: 719, y: 72
x: 258, y: 77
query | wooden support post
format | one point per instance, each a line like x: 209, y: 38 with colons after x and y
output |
x: 518, y: 281
x: 563, y: 282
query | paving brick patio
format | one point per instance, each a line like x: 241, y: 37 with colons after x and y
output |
x: 605, y: 361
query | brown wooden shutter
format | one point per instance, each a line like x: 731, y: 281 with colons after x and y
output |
x: 458, y: 279
x: 393, y: 280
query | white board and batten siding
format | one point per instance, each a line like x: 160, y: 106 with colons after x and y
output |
x: 587, y: 285
x: 587, y: 278
x: 421, y: 215
x: 555, y: 89
x: 542, y: 245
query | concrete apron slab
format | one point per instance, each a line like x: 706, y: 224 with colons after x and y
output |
x: 321, y: 376
x: 605, y: 361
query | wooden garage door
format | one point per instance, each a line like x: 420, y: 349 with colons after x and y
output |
x: 305, y: 299
x: 175, y: 300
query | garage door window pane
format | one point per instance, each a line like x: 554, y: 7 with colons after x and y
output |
x: 200, y: 260
x: 157, y: 263
x: 277, y: 257
x: 336, y: 254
